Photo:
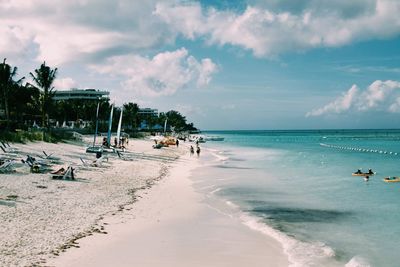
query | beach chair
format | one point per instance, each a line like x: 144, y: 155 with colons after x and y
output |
x: 63, y: 174
x: 124, y: 157
x: 42, y: 162
x: 49, y: 156
x: 158, y: 146
x: 7, y: 149
x: 35, y: 167
x: 96, y: 163
x: 59, y: 171
x: 86, y: 164
x: 6, y: 166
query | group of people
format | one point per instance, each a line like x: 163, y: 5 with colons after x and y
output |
x: 360, y: 172
x: 197, y: 150
x: 366, y: 175
x: 117, y: 143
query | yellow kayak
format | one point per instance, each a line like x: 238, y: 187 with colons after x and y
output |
x: 391, y: 179
x: 362, y: 174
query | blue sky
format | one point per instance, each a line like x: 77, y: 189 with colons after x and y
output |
x: 224, y: 64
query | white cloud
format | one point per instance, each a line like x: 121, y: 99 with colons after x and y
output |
x: 268, y: 33
x: 14, y: 40
x: 377, y: 93
x: 87, y: 30
x: 64, y: 83
x: 163, y: 74
x: 340, y: 104
x: 78, y: 30
x: 188, y: 110
x: 380, y: 95
x: 395, y: 106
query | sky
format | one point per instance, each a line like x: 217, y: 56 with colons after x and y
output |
x: 225, y: 65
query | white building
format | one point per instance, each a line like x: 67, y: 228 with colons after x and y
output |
x: 148, y: 112
x: 89, y: 94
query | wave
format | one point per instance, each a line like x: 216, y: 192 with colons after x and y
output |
x: 219, y: 155
x: 300, y: 253
x: 357, y: 261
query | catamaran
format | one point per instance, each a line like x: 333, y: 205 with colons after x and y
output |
x: 94, y: 148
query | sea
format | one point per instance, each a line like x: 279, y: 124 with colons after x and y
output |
x: 297, y: 186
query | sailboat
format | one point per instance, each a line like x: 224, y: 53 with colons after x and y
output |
x: 94, y: 148
x: 109, y: 148
x: 110, y: 125
x: 165, y: 126
x: 119, y: 127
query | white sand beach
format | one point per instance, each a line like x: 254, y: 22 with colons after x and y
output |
x: 127, y: 213
x: 42, y: 217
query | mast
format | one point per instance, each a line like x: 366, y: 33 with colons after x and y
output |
x: 119, y: 125
x: 97, y: 124
x: 110, y: 125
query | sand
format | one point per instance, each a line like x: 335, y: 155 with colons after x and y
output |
x: 171, y: 225
x: 42, y: 217
x: 127, y: 213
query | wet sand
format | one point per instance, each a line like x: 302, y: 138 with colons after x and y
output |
x: 170, y: 225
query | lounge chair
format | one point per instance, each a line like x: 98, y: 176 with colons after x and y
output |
x: 124, y: 157
x: 158, y: 146
x: 7, y: 149
x: 42, y: 162
x: 49, y: 156
x: 35, y: 166
x: 59, y: 171
x: 96, y: 163
x: 6, y: 166
x: 63, y: 174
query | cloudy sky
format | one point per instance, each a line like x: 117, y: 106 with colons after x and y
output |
x: 271, y: 64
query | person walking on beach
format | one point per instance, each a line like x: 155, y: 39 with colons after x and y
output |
x: 177, y: 143
x: 198, y: 151
x: 191, y: 150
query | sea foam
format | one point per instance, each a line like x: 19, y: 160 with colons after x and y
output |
x: 300, y: 254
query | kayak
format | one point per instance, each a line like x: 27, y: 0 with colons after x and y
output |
x: 391, y: 179
x: 362, y: 174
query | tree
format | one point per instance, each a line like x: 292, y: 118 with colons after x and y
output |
x: 7, y: 84
x: 44, y: 78
x: 130, y: 116
x: 24, y: 103
x: 175, y: 119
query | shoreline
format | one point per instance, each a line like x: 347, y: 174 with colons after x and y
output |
x: 171, y: 225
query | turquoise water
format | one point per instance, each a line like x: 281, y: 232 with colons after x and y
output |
x: 297, y: 186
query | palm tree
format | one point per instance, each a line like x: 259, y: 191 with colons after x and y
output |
x: 131, y: 114
x: 7, y: 84
x: 44, y: 78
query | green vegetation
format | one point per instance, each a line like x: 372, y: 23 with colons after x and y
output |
x: 44, y: 78
x: 28, y: 111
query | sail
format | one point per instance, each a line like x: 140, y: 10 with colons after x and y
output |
x: 97, y: 124
x: 119, y: 125
x: 165, y: 125
x: 110, y: 125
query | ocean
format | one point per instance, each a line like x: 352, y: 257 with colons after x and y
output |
x: 297, y: 186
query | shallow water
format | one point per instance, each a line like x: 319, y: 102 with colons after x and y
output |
x: 297, y: 186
